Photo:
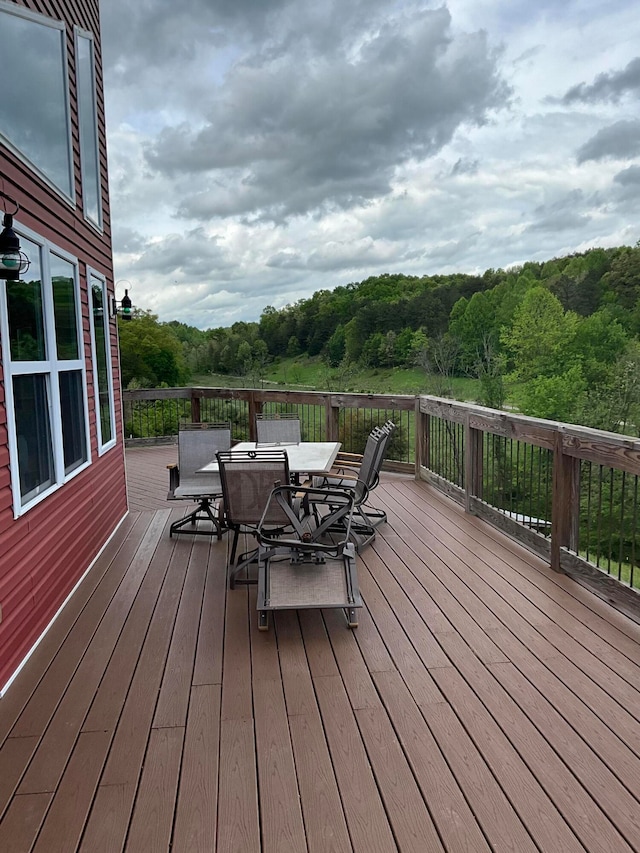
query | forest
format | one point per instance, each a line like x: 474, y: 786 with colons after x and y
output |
x: 558, y: 339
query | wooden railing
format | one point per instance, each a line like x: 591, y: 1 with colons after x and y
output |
x: 567, y: 492
x: 570, y: 493
x: 153, y: 413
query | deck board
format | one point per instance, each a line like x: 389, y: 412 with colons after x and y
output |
x: 483, y: 703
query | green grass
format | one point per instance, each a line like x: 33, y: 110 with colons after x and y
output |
x: 311, y: 374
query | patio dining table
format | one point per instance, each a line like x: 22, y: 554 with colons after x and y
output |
x: 307, y: 457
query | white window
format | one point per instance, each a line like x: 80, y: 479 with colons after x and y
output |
x: 88, y: 124
x: 102, y: 367
x: 34, y: 107
x: 44, y: 373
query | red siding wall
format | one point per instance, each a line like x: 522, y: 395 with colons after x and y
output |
x: 45, y: 551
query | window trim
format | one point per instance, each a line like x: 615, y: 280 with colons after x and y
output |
x: 35, y: 17
x: 103, y: 447
x: 51, y: 369
x: 85, y: 34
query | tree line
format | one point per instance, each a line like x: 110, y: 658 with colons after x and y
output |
x: 559, y: 339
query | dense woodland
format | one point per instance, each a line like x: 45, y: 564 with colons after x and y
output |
x: 558, y: 339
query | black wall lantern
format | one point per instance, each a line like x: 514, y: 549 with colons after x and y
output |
x: 13, y: 261
x: 125, y: 303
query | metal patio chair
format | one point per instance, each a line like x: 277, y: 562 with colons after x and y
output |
x: 248, y: 477
x: 278, y: 428
x: 307, y: 565
x: 198, y: 445
x: 359, y: 482
x: 347, y: 465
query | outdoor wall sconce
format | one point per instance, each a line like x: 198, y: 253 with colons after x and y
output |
x: 13, y: 261
x: 125, y: 303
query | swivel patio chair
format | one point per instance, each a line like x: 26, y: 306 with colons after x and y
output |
x: 198, y: 445
x: 278, y: 428
x: 307, y: 565
x: 359, y: 482
x: 248, y: 477
x: 347, y: 465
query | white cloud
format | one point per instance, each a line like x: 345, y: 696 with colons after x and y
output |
x: 262, y: 149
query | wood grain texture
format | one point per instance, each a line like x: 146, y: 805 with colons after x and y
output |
x: 484, y: 703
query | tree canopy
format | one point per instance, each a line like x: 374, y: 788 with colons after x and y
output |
x: 564, y: 333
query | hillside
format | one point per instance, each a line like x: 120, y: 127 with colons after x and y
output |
x: 560, y: 338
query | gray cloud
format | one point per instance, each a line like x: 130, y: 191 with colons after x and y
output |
x: 628, y: 182
x: 137, y: 35
x: 315, y: 132
x: 193, y: 255
x: 465, y: 167
x: 610, y: 86
x: 563, y: 214
x: 618, y: 141
x: 629, y: 177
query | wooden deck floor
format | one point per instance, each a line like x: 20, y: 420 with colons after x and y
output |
x: 483, y: 703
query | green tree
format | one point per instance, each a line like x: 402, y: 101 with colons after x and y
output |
x: 540, y: 336
x: 336, y: 346
x: 559, y: 397
x: 624, y: 277
x: 150, y: 353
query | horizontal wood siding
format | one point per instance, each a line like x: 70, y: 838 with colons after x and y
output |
x: 44, y: 552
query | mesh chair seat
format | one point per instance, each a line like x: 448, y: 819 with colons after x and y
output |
x: 193, y: 487
x: 307, y: 564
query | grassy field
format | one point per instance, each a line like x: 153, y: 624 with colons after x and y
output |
x: 313, y: 375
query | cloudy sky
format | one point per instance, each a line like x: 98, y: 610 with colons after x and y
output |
x: 260, y: 150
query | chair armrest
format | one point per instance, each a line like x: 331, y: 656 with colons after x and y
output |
x: 350, y: 458
x: 174, y: 478
x: 344, y: 471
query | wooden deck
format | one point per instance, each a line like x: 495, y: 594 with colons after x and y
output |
x: 483, y: 703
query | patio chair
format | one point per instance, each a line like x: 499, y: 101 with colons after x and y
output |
x: 360, y: 482
x: 307, y: 565
x: 248, y: 478
x: 347, y: 465
x: 198, y: 445
x: 278, y: 428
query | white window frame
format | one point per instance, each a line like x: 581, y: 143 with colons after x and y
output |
x: 92, y: 274
x: 22, y: 12
x: 84, y: 34
x: 50, y: 369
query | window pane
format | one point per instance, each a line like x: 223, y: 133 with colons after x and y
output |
x: 88, y: 130
x: 64, y: 303
x: 33, y: 431
x: 103, y: 361
x: 33, y: 106
x: 24, y: 304
x: 74, y: 439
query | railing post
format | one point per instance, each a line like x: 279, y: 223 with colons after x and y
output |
x: 420, y: 438
x: 332, y: 419
x: 195, y: 407
x: 473, y: 460
x: 565, y: 502
x: 255, y: 408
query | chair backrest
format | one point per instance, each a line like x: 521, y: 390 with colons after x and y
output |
x: 388, y: 428
x: 372, y: 459
x: 198, y: 445
x: 248, y: 478
x: 279, y: 428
